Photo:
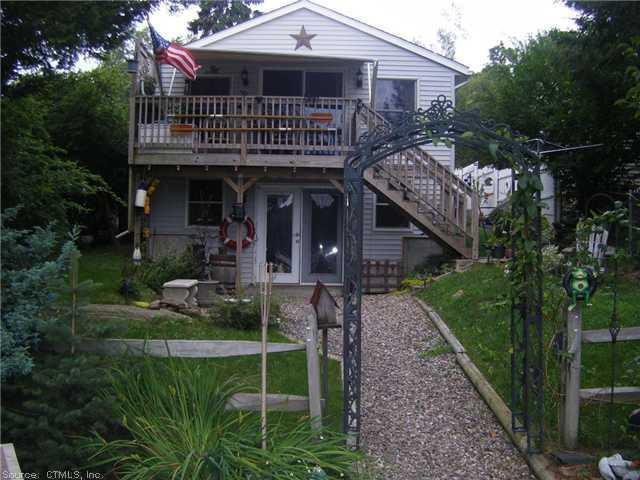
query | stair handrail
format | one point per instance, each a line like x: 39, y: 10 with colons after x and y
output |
x: 416, y: 151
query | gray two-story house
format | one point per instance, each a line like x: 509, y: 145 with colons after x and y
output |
x: 279, y: 103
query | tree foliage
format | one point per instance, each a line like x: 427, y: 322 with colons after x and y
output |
x: 567, y: 86
x: 31, y: 265
x: 36, y: 174
x: 45, y: 35
x: 216, y: 15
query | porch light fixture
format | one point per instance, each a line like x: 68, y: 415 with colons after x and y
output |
x: 244, y: 76
x: 359, y: 78
x: 132, y: 66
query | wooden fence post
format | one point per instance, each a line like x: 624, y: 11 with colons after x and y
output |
x: 570, y: 414
x: 313, y: 369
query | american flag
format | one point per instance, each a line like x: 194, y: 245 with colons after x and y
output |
x: 173, y: 54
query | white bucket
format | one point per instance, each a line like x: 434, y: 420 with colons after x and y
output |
x: 141, y: 196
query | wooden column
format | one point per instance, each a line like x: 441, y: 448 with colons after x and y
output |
x: 570, y: 413
x: 240, y: 200
x: 313, y: 368
x: 240, y: 188
x: 325, y: 367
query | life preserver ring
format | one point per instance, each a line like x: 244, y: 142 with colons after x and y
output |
x: 246, y: 241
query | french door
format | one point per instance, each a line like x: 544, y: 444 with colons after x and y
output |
x: 279, y: 232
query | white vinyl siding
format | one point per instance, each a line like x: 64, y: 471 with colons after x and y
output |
x: 333, y: 39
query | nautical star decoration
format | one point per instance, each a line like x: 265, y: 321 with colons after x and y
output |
x: 303, y: 39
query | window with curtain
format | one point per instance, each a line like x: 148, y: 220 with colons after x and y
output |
x: 395, y: 96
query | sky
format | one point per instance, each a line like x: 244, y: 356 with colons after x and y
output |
x: 482, y: 23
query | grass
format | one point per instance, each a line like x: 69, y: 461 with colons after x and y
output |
x: 103, y: 266
x: 287, y: 372
x: 479, y: 317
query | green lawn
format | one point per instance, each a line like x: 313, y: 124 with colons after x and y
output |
x: 480, y: 320
x: 287, y: 372
x: 103, y: 266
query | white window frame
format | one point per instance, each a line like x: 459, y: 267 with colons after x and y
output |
x: 188, y: 202
x: 416, y: 83
x: 408, y: 228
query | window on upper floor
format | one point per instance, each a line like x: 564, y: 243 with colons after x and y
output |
x: 395, y: 96
x: 210, y: 85
x: 323, y: 84
x: 390, y: 216
x: 285, y: 83
x: 205, y: 202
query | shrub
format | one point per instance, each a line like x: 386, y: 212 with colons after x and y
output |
x: 45, y: 414
x: 552, y: 259
x: 176, y: 415
x: 33, y: 265
x: 243, y: 314
x: 155, y: 273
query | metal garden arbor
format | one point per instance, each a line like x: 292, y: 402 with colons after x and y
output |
x: 441, y: 123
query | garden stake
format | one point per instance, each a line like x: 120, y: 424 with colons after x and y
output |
x: 266, y: 279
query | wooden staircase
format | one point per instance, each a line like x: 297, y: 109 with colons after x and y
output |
x: 438, y: 202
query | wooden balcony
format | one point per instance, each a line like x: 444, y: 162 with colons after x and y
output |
x: 242, y: 130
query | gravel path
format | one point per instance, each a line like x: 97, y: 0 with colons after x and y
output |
x: 421, y: 417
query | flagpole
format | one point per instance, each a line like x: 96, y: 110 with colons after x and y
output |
x: 156, y: 63
x: 173, y: 77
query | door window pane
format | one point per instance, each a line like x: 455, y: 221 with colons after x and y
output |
x: 279, y: 232
x: 324, y: 233
x: 323, y: 84
x: 394, y: 97
x: 286, y: 83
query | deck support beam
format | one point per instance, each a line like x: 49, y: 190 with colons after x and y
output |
x: 240, y: 188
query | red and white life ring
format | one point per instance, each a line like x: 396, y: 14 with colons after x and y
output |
x: 246, y: 241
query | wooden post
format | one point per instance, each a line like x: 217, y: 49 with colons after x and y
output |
x: 239, y: 188
x: 313, y: 369
x: 570, y: 414
x: 240, y: 200
x: 325, y: 367
x: 266, y: 278
x: 132, y: 135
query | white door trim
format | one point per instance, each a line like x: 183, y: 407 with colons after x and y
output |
x: 262, y: 192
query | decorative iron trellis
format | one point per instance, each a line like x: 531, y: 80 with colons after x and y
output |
x: 441, y: 123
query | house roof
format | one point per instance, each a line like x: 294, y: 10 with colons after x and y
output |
x: 206, y: 42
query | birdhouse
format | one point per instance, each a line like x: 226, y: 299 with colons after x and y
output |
x: 325, y: 306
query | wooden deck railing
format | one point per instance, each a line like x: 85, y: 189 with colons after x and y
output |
x: 442, y: 196
x: 245, y: 124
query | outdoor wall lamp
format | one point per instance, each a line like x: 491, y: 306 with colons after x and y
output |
x: 132, y: 66
x: 244, y: 76
x: 359, y: 78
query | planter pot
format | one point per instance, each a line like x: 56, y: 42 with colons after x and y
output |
x: 498, y: 252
